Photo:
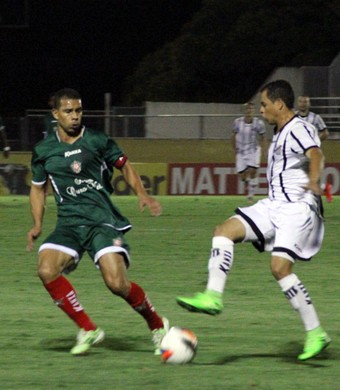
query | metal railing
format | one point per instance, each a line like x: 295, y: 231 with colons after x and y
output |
x: 24, y: 132
x: 329, y: 109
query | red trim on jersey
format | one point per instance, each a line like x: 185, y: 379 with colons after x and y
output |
x: 121, y: 161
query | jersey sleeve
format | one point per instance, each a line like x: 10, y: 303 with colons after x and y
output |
x: 39, y: 175
x: 302, y: 140
x: 114, y: 156
x: 319, y: 123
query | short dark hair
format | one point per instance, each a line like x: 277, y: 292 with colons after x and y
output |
x: 280, y: 89
x: 65, y: 93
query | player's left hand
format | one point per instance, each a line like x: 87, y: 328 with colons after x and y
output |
x: 152, y: 204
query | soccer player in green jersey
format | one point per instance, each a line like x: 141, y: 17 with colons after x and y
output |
x: 77, y: 161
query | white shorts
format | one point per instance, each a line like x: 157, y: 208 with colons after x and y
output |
x: 248, y: 160
x: 289, y: 230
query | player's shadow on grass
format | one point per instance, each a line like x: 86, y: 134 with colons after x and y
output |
x: 64, y: 345
x: 287, y: 354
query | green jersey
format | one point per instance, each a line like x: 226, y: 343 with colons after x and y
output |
x: 79, y: 175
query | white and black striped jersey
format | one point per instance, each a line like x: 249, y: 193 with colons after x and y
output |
x: 247, y: 134
x: 287, y: 170
x: 315, y: 120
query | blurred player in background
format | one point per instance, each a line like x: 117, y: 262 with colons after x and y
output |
x: 316, y: 120
x: 74, y: 159
x: 248, y: 141
x: 288, y: 223
x: 311, y: 117
x: 3, y: 139
x: 50, y: 123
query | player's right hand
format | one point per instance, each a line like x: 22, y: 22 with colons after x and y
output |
x: 32, y: 235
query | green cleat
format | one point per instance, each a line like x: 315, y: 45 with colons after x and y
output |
x: 316, y: 341
x: 158, y: 334
x: 86, y: 339
x: 209, y: 302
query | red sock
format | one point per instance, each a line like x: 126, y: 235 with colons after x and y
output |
x: 138, y: 300
x: 65, y: 297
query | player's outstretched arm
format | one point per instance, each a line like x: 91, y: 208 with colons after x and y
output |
x: 323, y: 134
x: 145, y: 200
x: 316, y: 164
x: 37, y: 202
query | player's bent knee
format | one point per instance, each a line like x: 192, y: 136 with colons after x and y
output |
x: 278, y: 275
x: 281, y: 267
x: 232, y: 229
x: 118, y: 286
x: 47, y: 273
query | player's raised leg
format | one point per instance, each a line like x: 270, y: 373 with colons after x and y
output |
x: 219, y: 266
x: 220, y: 262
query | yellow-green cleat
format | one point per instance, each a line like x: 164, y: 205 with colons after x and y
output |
x: 86, y: 339
x: 209, y: 302
x: 316, y: 341
x: 158, y: 334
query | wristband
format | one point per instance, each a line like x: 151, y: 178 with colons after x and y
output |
x: 7, y: 148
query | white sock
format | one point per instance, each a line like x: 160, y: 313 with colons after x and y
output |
x: 299, y: 298
x: 220, y: 262
x: 252, y: 186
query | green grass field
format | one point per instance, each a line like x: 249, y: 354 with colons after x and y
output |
x: 253, y: 344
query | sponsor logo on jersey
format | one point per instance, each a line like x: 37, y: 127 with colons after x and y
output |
x: 76, y: 166
x: 88, y: 184
x: 72, y: 152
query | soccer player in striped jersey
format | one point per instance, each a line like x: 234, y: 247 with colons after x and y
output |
x: 288, y: 223
x: 248, y: 141
x: 311, y: 117
x: 77, y: 160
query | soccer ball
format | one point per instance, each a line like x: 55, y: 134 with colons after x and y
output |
x: 179, y: 346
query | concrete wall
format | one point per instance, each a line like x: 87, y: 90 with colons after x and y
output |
x: 191, y: 120
x: 202, y: 167
x: 293, y: 75
x: 334, y: 77
x: 178, y: 151
x: 181, y: 151
x: 175, y: 120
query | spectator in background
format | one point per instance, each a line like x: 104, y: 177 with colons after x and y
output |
x: 248, y: 141
x: 6, y: 148
x: 316, y: 120
x: 311, y: 117
x: 50, y: 124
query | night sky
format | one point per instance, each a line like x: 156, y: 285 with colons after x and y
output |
x: 89, y: 45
